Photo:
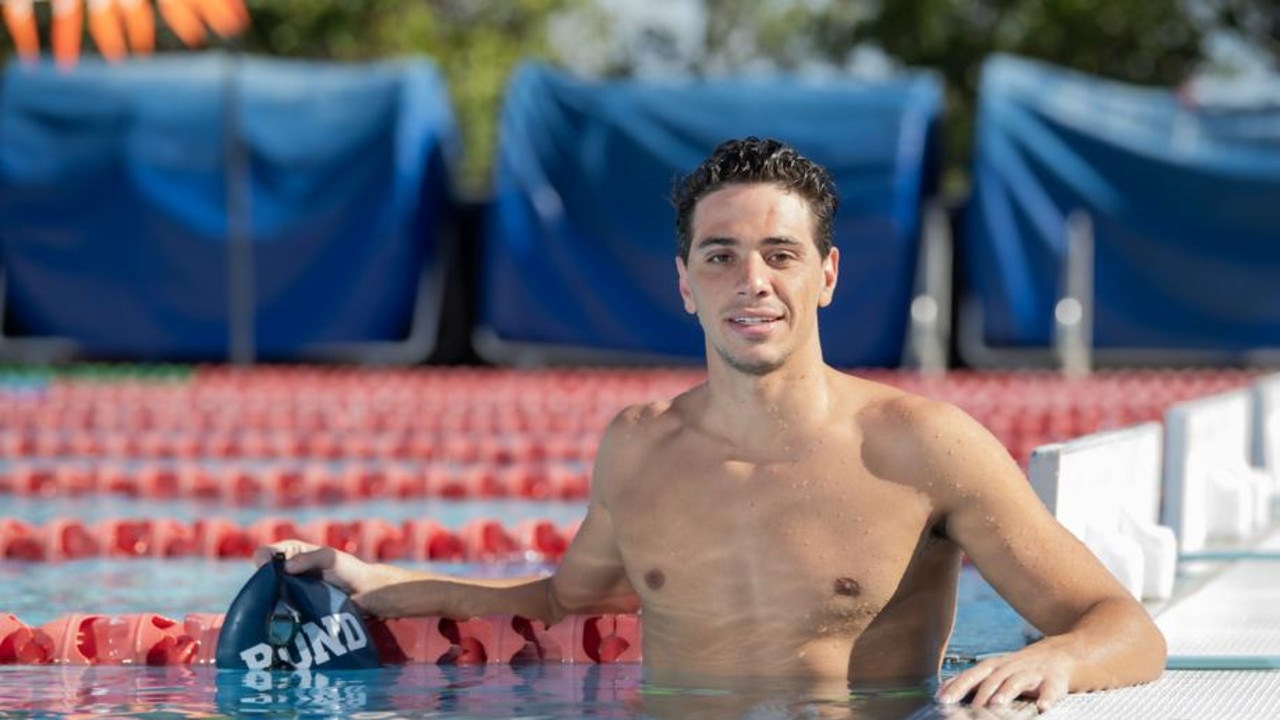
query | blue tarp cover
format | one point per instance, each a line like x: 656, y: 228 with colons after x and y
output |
x: 1185, y: 204
x: 114, y: 205
x: 580, y: 241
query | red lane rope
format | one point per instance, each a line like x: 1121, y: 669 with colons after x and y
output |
x: 460, y: 446
x: 292, y: 484
x: 153, y: 639
x: 480, y: 540
x: 501, y: 416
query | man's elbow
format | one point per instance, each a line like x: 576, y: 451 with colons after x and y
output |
x: 1157, y: 653
x: 561, y: 605
x: 1151, y: 650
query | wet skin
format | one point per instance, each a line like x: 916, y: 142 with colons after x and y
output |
x: 782, y: 559
x: 788, y: 519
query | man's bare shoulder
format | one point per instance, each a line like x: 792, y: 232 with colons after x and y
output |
x: 638, y: 430
x: 910, y: 436
x: 652, y: 421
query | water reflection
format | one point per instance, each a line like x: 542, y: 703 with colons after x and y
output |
x: 433, y: 691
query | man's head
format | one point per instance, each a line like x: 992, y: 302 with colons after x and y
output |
x: 756, y: 160
x: 756, y: 259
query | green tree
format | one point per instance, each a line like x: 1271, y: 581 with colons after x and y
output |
x: 1150, y: 43
x: 476, y: 43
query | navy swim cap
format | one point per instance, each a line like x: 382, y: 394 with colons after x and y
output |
x: 293, y: 622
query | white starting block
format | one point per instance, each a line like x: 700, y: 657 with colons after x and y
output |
x: 1266, y: 427
x: 1211, y: 490
x: 1105, y: 489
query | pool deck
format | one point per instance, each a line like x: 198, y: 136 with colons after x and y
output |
x: 1224, y: 649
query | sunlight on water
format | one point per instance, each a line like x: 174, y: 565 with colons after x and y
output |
x: 551, y: 691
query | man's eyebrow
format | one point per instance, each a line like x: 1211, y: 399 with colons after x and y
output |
x: 715, y: 241
x: 781, y: 240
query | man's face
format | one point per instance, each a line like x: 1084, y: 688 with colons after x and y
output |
x: 754, y: 275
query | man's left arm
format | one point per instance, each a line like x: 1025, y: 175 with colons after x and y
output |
x: 1096, y: 634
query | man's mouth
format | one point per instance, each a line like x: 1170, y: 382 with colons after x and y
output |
x: 753, y: 322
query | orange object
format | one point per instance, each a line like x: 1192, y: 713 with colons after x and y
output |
x: 106, y: 26
x: 611, y: 638
x: 429, y: 540
x: 182, y: 18
x: 68, y: 25
x: 460, y: 642
x: 486, y: 539
x: 522, y: 641
x: 139, y: 25
x: 77, y: 639
x: 226, y: 17
x: 204, y: 629
x: 20, y: 18
x: 541, y: 537
x: 220, y: 538
x: 69, y: 539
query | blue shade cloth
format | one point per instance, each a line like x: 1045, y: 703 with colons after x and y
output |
x: 1185, y: 205
x: 579, y: 244
x: 114, y: 214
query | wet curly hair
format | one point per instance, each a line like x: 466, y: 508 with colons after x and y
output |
x: 757, y: 160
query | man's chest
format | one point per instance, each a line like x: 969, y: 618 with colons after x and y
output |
x: 808, y: 530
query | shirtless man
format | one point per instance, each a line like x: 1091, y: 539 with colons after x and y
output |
x: 786, y: 518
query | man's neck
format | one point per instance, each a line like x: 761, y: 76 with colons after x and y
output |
x: 789, y: 399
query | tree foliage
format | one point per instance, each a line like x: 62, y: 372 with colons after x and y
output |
x: 1151, y: 43
x: 478, y: 42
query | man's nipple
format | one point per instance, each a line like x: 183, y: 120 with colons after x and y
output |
x: 655, y: 579
x: 847, y: 586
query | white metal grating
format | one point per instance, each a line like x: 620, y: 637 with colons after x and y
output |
x: 1235, y: 614
x: 1181, y: 695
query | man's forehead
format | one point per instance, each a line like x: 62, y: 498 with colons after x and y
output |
x: 751, y: 212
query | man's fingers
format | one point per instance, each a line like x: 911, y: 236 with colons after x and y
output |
x: 290, y: 548
x: 1051, y: 691
x: 987, y: 689
x: 958, y: 687
x: 312, y: 558
x: 1015, y: 685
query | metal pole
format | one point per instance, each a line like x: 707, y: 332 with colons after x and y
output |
x: 241, y: 321
x: 1073, y: 315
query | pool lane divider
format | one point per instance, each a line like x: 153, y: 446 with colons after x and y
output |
x: 155, y: 640
x: 291, y: 484
x: 479, y: 540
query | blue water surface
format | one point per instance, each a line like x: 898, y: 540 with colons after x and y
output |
x: 489, y: 692
x: 39, y: 592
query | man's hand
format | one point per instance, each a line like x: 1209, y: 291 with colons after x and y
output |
x: 1040, y: 670
x: 343, y: 570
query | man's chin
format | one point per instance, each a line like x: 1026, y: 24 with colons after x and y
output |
x: 750, y: 364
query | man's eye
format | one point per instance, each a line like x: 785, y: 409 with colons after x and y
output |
x: 718, y: 258
x: 783, y: 257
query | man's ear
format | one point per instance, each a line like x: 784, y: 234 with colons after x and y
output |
x: 685, y: 293
x: 830, y: 273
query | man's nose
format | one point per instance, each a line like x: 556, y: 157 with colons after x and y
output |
x: 755, y: 277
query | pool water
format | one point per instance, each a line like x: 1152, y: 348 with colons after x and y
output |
x: 39, y: 592
x: 432, y: 691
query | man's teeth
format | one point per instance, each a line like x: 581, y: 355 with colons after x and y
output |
x: 752, y: 321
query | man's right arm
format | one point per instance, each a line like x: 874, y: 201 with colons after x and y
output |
x: 590, y: 577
